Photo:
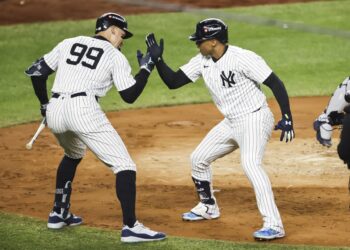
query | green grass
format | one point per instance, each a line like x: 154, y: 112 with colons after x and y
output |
x: 309, y: 64
x: 18, y: 232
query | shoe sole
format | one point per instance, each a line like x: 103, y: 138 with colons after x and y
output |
x: 61, y: 225
x: 200, y: 218
x: 269, y: 238
x: 133, y: 239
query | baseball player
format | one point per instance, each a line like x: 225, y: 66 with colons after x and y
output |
x: 336, y: 113
x: 233, y: 76
x: 86, y: 68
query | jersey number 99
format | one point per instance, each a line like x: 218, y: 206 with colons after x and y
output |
x: 79, y: 50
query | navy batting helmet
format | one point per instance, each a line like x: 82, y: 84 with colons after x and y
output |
x: 211, y: 28
x: 109, y: 19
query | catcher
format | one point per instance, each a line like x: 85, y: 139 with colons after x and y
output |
x: 337, y: 113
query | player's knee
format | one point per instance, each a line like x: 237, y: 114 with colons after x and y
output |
x: 197, y: 160
x: 119, y: 168
x: 250, y: 162
x: 75, y: 154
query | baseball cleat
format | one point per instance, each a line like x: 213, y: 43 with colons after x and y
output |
x: 56, y: 221
x: 140, y: 233
x: 202, y: 212
x: 268, y: 234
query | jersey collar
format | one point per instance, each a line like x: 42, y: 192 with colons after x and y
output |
x: 100, y: 38
x: 215, y: 60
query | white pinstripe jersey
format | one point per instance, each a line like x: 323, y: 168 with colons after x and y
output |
x: 87, y: 64
x: 233, y: 81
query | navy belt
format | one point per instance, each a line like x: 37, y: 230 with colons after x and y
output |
x: 56, y: 95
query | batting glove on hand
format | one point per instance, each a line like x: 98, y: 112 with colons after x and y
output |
x: 286, y: 125
x: 323, y: 130
x: 145, y: 62
x: 155, y: 50
x: 43, y: 109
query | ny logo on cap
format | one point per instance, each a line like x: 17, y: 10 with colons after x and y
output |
x: 227, y: 81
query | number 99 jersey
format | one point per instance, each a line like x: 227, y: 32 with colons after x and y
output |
x: 89, y: 64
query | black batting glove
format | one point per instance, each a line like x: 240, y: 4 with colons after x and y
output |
x: 145, y: 62
x: 286, y: 125
x: 43, y: 109
x: 155, y: 50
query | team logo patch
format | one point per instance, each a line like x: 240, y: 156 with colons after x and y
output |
x: 227, y: 80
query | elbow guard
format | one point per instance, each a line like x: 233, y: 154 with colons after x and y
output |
x: 39, y: 68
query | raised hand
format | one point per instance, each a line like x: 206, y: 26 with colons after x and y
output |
x: 145, y: 62
x: 155, y: 50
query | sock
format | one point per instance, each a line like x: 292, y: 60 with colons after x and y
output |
x: 204, y: 191
x: 65, y: 173
x: 126, y: 193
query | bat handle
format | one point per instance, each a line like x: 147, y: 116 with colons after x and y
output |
x: 29, y: 145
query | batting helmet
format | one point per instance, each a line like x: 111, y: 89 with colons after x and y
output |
x: 109, y: 19
x: 211, y: 28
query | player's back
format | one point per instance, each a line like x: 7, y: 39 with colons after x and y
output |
x: 83, y: 64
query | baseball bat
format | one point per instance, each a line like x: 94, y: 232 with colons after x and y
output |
x: 29, y: 145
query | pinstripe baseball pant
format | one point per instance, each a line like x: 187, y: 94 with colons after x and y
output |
x: 78, y: 122
x: 250, y: 133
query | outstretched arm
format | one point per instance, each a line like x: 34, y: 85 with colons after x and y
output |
x: 146, y: 64
x: 172, y: 79
x: 130, y: 95
x: 280, y: 92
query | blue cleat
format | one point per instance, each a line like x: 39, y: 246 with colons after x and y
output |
x: 268, y: 234
x: 202, y: 212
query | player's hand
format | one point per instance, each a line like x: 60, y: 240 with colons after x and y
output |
x: 286, y: 125
x: 43, y: 109
x: 145, y: 62
x: 155, y: 50
x: 323, y: 130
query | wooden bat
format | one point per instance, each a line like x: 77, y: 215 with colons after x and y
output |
x: 42, y: 125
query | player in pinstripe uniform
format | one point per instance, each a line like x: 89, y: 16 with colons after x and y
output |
x: 86, y: 68
x: 233, y: 76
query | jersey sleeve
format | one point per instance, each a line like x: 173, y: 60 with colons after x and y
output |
x: 193, y: 68
x: 255, y: 67
x: 121, y: 72
x: 52, y: 58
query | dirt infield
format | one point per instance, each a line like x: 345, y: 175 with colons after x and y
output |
x: 309, y: 181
